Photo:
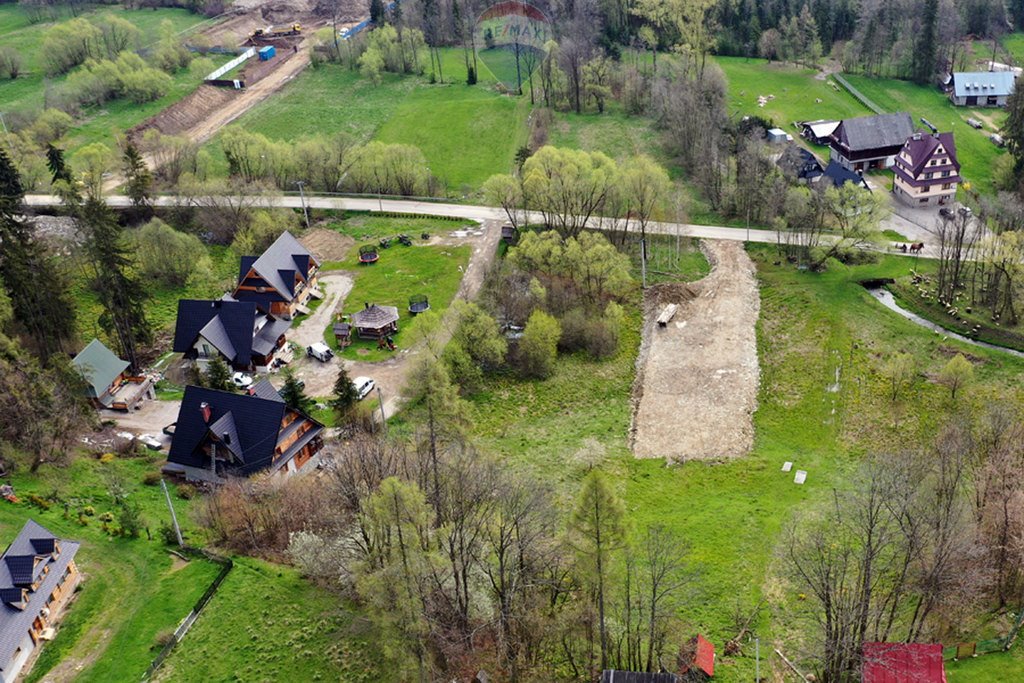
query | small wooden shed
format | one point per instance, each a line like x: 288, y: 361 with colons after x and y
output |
x: 342, y: 333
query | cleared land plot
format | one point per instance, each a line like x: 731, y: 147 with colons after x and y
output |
x: 975, y: 151
x: 99, y: 123
x: 467, y: 133
x: 698, y: 380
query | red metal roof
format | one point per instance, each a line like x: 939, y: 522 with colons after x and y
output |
x: 705, y: 658
x: 903, y: 663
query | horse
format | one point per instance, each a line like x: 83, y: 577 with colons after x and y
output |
x: 917, y: 247
x: 900, y: 247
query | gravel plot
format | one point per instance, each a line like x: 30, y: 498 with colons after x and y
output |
x: 697, y: 378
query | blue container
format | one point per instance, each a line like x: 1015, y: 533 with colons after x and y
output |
x: 267, y: 53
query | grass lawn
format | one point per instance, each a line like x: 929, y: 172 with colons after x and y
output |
x: 400, y: 273
x: 367, y: 228
x: 99, y: 123
x: 974, y: 150
x: 1000, y: 666
x: 162, y: 307
x: 466, y: 133
x: 733, y: 512
x: 268, y: 624
x: 796, y: 91
x: 131, y: 589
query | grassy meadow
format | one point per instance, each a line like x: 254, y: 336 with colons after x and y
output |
x: 98, y: 124
x: 466, y: 133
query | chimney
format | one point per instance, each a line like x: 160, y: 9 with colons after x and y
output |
x: 204, y: 408
x: 366, y: 305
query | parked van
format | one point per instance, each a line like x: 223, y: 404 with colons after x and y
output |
x: 363, y: 385
x: 322, y: 352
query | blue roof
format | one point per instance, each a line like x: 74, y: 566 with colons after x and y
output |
x: 983, y: 83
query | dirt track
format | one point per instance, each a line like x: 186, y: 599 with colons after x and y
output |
x: 696, y: 386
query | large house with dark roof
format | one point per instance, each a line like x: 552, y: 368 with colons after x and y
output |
x: 868, y: 142
x: 220, y: 434
x: 108, y: 384
x: 926, y: 171
x: 281, y: 280
x: 241, y: 335
x: 982, y: 88
x: 38, y: 576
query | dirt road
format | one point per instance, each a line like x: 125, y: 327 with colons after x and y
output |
x: 335, y: 287
x: 696, y: 386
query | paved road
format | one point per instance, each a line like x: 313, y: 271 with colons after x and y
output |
x: 467, y: 211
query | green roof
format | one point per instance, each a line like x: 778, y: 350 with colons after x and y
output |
x: 99, y: 366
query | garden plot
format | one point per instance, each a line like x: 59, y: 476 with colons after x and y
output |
x: 696, y: 389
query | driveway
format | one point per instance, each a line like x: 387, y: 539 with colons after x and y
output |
x: 151, y: 418
x: 335, y: 287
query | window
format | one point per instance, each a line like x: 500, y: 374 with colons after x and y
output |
x: 928, y: 176
x: 922, y: 200
x: 947, y: 186
x: 922, y: 189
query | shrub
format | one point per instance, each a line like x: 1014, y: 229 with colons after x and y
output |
x: 88, y: 511
x: 170, y: 257
x: 145, y: 85
x: 106, y: 517
x: 163, y: 639
x: 166, y: 532
x: 107, y: 458
x: 186, y: 491
x: 10, y: 62
x: 151, y: 478
x: 38, y: 501
x: 130, y: 519
x: 575, y: 331
x: 539, y: 346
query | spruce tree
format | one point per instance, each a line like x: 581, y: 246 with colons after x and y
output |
x: 37, y: 289
x: 345, y: 395
x: 55, y: 162
x: 293, y: 394
x: 377, y: 11
x: 218, y: 375
x: 138, y: 179
x: 923, y: 66
x: 116, y: 286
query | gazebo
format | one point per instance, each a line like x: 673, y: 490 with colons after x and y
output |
x: 374, y: 322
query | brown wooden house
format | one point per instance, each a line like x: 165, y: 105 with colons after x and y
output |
x: 108, y: 382
x: 281, y: 280
x: 220, y: 434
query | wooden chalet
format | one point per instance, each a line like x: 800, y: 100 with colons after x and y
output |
x: 108, y: 382
x: 221, y: 433
x: 926, y: 171
x: 236, y: 331
x: 38, y: 577
x: 281, y: 280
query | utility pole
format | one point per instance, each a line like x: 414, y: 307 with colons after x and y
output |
x: 4, y: 124
x: 383, y: 417
x: 643, y: 263
x: 174, y: 517
x: 302, y: 196
x: 757, y: 660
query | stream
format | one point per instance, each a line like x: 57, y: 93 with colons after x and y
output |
x: 889, y: 301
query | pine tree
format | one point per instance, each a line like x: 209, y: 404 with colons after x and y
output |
x: 293, y: 394
x: 345, y: 396
x: 218, y: 375
x: 137, y: 176
x: 377, y: 11
x: 37, y: 289
x: 116, y: 286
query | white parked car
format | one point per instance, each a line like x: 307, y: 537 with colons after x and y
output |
x: 241, y: 380
x: 151, y: 442
x: 363, y: 385
x: 322, y: 352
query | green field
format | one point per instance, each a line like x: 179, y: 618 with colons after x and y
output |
x: 796, y: 92
x: 101, y: 123
x: 974, y: 150
x: 268, y: 624
x: 435, y: 271
x: 466, y: 133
